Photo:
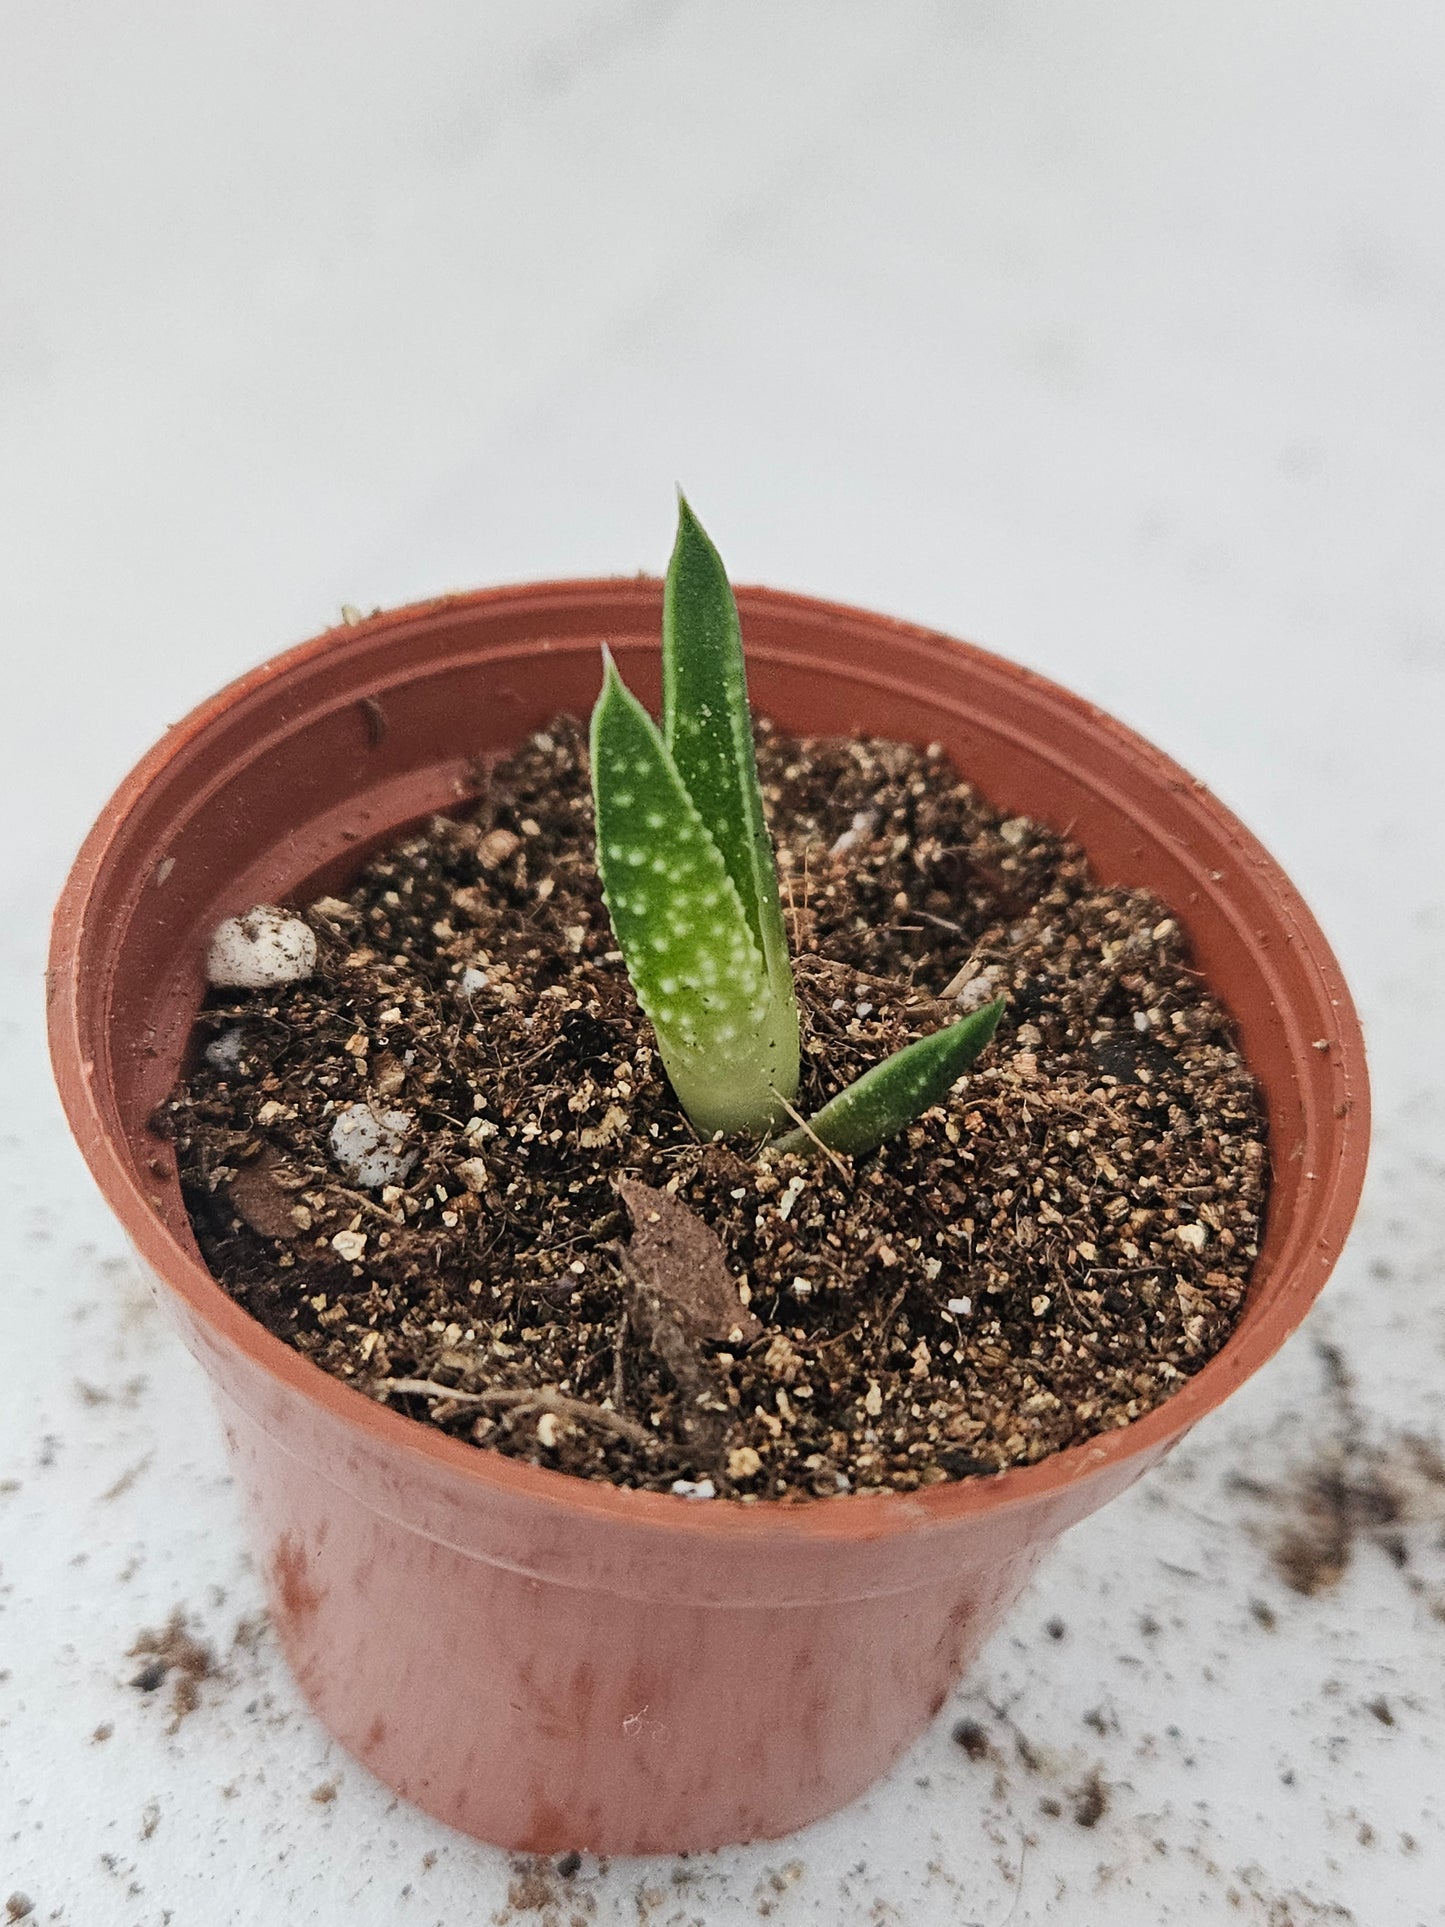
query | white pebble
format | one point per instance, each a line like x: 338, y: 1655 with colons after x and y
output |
x: 225, y: 1051
x: 473, y: 1174
x: 960, y: 1307
x: 859, y: 830
x: 978, y: 991
x: 694, y: 1488
x: 349, y: 1245
x: 1193, y: 1235
x: 263, y: 948
x: 369, y: 1145
x: 473, y: 980
x: 792, y: 1193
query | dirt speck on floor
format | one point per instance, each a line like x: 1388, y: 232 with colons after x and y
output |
x: 1357, y: 1488
x: 1085, y: 1800
x: 324, y: 1794
x: 774, y: 1883
x: 126, y: 1480
x: 249, y: 1632
x: 536, y: 1889
x: 173, y: 1654
x: 971, y: 1737
x: 1089, y: 1801
x: 19, y: 1907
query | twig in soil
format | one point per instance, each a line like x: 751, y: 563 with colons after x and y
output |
x: 965, y: 974
x: 803, y: 1125
x: 390, y: 1220
x: 619, y: 1360
x: 939, y: 923
x: 832, y: 966
x: 543, y: 1397
x: 1124, y: 1271
x: 890, y: 1314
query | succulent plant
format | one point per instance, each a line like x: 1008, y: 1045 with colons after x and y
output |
x: 691, y: 886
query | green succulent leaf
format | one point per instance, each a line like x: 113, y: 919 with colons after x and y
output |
x: 707, y: 725
x: 879, y: 1103
x: 690, y: 952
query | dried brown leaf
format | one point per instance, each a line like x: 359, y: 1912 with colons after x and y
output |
x: 677, y: 1259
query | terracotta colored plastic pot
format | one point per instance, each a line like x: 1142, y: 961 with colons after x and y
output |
x: 541, y: 1661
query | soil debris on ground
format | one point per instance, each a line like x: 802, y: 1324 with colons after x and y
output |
x: 173, y: 1654
x: 1089, y: 1801
x: 971, y: 1737
x: 1043, y: 1258
x: 542, y: 1887
x: 1357, y: 1487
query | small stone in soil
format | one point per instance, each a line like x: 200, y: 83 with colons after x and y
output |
x: 694, y: 1488
x: 261, y: 950
x: 369, y: 1145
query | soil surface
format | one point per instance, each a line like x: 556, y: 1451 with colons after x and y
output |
x: 1045, y: 1257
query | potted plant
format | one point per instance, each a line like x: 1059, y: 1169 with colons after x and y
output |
x: 552, y: 1661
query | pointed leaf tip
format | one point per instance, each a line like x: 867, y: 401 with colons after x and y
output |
x: 877, y: 1105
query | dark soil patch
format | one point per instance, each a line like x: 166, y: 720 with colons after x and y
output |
x: 1043, y: 1258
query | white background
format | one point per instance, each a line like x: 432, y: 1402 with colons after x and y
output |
x: 1106, y: 333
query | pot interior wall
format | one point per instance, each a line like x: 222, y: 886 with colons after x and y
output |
x: 372, y: 728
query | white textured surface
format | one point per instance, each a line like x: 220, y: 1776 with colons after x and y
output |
x: 1108, y: 334
x: 263, y: 947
